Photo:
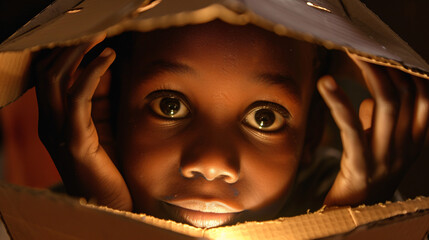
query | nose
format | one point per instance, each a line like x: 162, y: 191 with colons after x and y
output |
x: 211, y: 168
x: 212, y: 160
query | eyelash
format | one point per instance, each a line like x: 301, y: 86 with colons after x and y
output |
x: 270, y: 105
x: 167, y: 93
x: 278, y: 111
x: 254, y: 107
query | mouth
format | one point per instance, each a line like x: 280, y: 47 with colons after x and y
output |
x: 201, y: 214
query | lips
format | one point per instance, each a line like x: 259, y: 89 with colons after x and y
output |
x: 203, y: 214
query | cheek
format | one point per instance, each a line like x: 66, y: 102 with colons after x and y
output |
x: 149, y: 164
x: 150, y: 159
x: 269, y: 173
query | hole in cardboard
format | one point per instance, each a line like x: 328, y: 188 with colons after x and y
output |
x: 147, y: 7
x: 318, y: 7
x: 75, y: 10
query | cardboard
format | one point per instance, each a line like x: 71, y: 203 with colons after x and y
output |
x: 40, y: 214
x: 346, y: 25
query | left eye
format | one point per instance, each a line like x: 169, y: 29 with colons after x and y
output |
x: 169, y: 107
x: 264, y: 118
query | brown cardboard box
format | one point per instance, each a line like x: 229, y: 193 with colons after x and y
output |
x: 344, y: 25
x: 41, y: 214
x: 348, y: 26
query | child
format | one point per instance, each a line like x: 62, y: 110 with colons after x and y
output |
x: 214, y: 121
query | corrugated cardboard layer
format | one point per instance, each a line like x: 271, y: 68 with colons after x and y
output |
x: 402, y: 227
x: 40, y: 214
x: 14, y: 75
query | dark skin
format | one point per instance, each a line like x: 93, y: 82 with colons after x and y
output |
x: 178, y: 166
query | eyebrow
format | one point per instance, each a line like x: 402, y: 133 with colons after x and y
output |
x: 284, y: 81
x: 161, y: 66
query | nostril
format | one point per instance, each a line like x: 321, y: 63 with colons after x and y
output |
x: 209, y: 174
x: 187, y: 173
x: 213, y: 175
x: 230, y: 178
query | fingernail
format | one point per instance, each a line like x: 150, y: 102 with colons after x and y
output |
x: 330, y: 84
x: 106, y: 52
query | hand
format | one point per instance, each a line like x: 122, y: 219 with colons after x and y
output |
x: 67, y: 129
x: 380, y: 145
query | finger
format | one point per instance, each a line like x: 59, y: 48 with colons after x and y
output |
x: 349, y: 125
x: 81, y: 93
x: 101, y: 111
x: 103, y: 88
x: 84, y: 88
x: 403, y: 132
x: 101, y: 100
x: 48, y: 100
x: 54, y: 81
x: 385, y: 115
x: 73, y: 56
x: 93, y: 165
x: 421, y: 112
x: 366, y: 111
x: 45, y: 58
x: 61, y: 71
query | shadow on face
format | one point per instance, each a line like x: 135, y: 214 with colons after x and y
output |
x: 212, y: 121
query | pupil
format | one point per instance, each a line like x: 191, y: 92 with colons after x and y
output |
x: 169, y: 106
x: 264, y: 118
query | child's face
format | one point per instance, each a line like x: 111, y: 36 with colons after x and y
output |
x: 213, y: 121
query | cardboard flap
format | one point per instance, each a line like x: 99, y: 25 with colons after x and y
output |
x: 341, y: 24
x: 69, y: 23
x: 41, y: 214
x: 346, y: 25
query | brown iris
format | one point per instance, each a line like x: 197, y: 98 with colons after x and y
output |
x: 169, y: 106
x: 265, y: 118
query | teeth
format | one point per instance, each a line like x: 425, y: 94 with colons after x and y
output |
x: 207, y: 207
x: 201, y: 213
x: 202, y: 223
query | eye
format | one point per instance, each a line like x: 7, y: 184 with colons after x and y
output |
x: 267, y: 117
x: 169, y: 106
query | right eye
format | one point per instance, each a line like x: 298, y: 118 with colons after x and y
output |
x: 169, y: 107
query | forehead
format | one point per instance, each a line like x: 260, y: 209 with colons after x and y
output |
x: 227, y: 55
x: 214, y: 61
x: 218, y: 40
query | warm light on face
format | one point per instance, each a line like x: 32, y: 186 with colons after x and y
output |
x: 213, y: 125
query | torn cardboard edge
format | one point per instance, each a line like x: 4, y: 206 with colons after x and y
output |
x: 41, y: 214
x: 239, y: 15
x: 398, y: 227
x: 229, y: 12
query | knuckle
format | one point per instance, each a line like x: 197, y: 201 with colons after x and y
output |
x: 72, y: 98
x: 51, y: 78
x: 390, y: 107
x: 81, y: 151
